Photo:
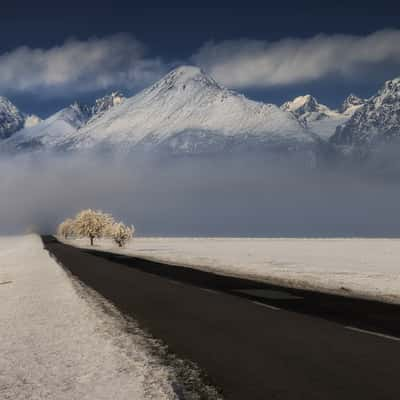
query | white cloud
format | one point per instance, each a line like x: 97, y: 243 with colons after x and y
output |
x: 121, y: 61
x: 98, y: 63
x: 253, y: 63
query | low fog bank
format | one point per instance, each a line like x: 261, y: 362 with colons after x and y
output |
x: 234, y: 196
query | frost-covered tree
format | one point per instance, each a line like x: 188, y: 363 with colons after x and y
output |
x: 92, y: 224
x: 121, y: 233
x: 66, y: 228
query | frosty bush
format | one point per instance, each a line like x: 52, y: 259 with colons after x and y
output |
x: 92, y: 224
x: 66, y: 228
x: 121, y: 233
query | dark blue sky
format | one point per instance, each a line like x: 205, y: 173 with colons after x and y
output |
x: 175, y: 33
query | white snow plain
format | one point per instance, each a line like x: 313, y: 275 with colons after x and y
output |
x: 357, y: 267
x: 57, y: 342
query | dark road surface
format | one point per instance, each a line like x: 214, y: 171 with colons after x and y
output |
x: 254, y: 340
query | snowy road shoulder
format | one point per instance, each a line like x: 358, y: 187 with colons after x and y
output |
x: 58, y: 343
x: 366, y: 268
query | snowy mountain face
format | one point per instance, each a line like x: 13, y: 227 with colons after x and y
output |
x: 318, y: 118
x: 49, y: 131
x: 351, y: 105
x: 11, y: 119
x: 377, y: 121
x: 187, y: 112
x: 61, y: 126
x: 105, y: 103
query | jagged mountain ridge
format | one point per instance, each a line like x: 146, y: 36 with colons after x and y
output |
x: 319, y: 118
x: 62, y: 125
x: 376, y: 122
x: 103, y: 104
x: 351, y: 104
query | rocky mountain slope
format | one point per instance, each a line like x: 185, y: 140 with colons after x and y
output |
x: 376, y: 122
x: 12, y: 119
x: 351, y: 104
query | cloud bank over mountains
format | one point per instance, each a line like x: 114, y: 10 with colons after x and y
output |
x: 254, y: 63
x: 79, y: 66
x: 122, y: 61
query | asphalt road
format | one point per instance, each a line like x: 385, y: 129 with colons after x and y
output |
x: 255, y: 341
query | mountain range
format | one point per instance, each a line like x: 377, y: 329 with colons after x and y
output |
x: 188, y: 112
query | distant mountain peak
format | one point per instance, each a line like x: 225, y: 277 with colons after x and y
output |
x: 377, y: 121
x: 11, y: 119
x: 7, y: 105
x: 301, y: 105
x: 389, y: 93
x: 314, y: 116
x: 184, y: 77
x: 351, y: 103
x: 354, y: 100
x: 79, y: 114
x: 392, y: 84
x: 185, y: 73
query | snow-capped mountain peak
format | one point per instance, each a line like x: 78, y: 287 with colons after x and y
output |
x: 315, y: 117
x: 319, y: 118
x: 185, y: 75
x: 188, y: 111
x: 186, y: 81
x: 301, y: 105
x: 378, y: 120
x: 389, y: 94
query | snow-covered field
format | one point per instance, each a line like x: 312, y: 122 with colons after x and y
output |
x: 56, y: 340
x: 368, y: 268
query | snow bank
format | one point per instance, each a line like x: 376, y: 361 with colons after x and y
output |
x: 367, y: 268
x: 58, y: 343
